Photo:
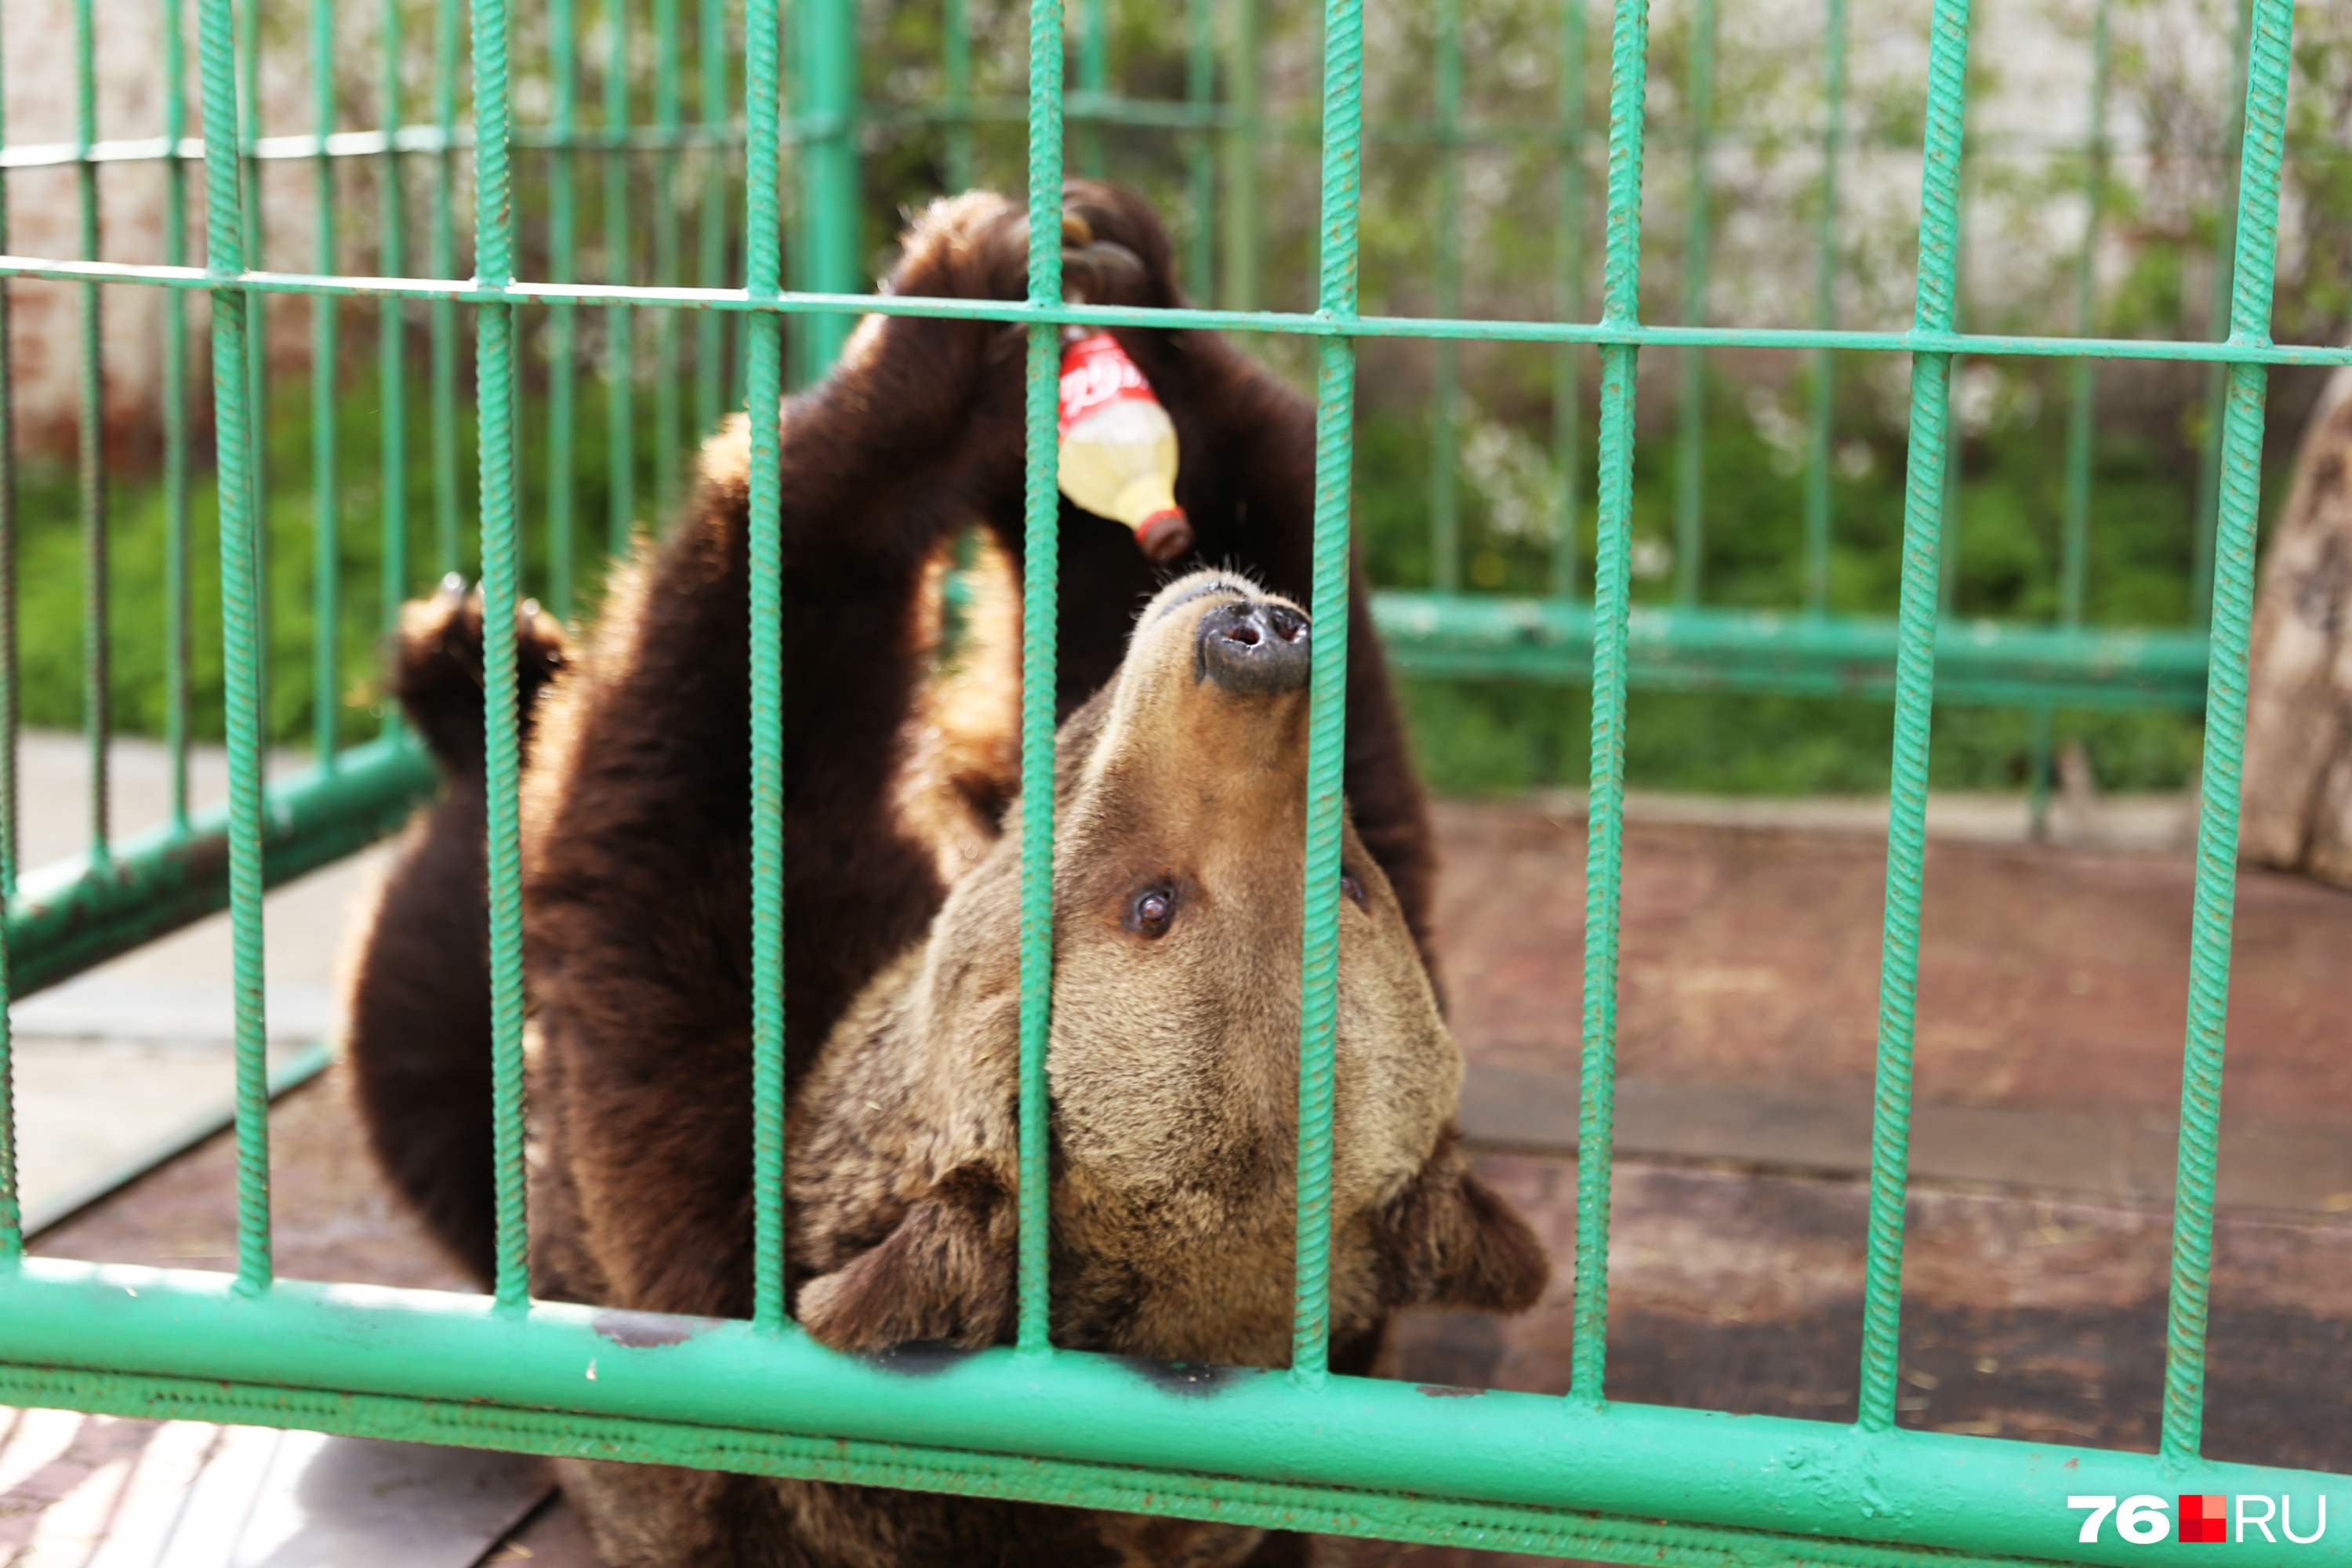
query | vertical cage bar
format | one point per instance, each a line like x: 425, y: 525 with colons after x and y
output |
x: 1824, y: 387
x: 443, y: 314
x: 1199, y: 148
x: 1568, y: 383
x: 1949, y: 563
x: 326, y: 585
x: 175, y: 413
x: 2269, y: 38
x: 1040, y: 611
x: 1445, y: 380
x: 1327, y: 728
x: 2074, y: 518
x: 1915, y: 677
x: 241, y: 650
x: 829, y: 195
x: 2074, y: 506
x: 1690, y: 440
x: 256, y: 344
x: 620, y: 320
x: 90, y: 445
x: 2209, y: 459
x: 1239, y: 269
x: 668, y: 117
x: 391, y: 344
x: 712, y: 208
x: 1605, y: 833
x: 563, y: 319
x: 494, y: 400
x: 956, y: 67
x: 12, y: 1232
x: 764, y: 371
x: 1094, y: 83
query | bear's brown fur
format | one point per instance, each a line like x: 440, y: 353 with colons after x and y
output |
x: 639, y: 887
x: 420, y: 1026
x: 1173, y: 1063
x: 637, y: 943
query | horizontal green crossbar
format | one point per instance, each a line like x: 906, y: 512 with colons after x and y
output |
x: 1293, y: 323
x: 561, y: 1371
x: 1765, y: 651
x: 1065, y: 1483
x: 73, y: 914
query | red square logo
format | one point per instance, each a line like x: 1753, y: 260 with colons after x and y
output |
x: 2204, y: 1516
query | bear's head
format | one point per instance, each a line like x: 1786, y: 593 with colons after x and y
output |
x: 1180, y: 846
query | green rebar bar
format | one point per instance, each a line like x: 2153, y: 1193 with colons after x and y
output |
x: 828, y: 209
x: 1568, y: 387
x: 1200, y: 149
x: 1824, y: 387
x: 90, y: 445
x: 2074, y: 515
x: 1446, y: 378
x: 1915, y: 678
x: 1040, y: 611
x: 956, y: 67
x: 240, y: 627
x: 174, y: 400
x: 2225, y: 245
x: 392, y: 348
x: 326, y: 585
x: 2270, y: 37
x: 12, y: 1229
x: 1264, y: 322
x: 257, y: 341
x: 443, y: 259
x: 764, y: 372
x: 1948, y: 578
x: 713, y: 209
x: 1690, y: 440
x: 2074, y: 507
x: 668, y: 119
x: 1326, y: 727
x: 562, y: 319
x: 1094, y: 83
x: 501, y: 584
x: 1238, y: 270
x: 1604, y: 832
x: 621, y: 321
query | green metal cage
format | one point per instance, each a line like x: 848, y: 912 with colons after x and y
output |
x: 1296, y: 1448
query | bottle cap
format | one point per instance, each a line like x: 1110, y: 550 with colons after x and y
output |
x: 1165, y: 535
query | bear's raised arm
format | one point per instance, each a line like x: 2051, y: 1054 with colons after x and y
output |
x: 1246, y: 482
x: 638, y: 813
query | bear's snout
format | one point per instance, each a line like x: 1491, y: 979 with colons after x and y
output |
x: 1253, y: 649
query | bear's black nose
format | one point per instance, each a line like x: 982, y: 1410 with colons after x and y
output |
x: 1252, y: 649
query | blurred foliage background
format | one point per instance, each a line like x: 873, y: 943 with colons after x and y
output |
x: 1736, y: 130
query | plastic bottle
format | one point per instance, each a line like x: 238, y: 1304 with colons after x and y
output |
x: 1118, y: 445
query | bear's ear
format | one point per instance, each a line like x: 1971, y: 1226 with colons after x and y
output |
x: 945, y: 1276
x: 1450, y: 1240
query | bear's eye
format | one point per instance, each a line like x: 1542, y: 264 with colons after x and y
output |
x: 1352, y: 888
x: 1151, y: 909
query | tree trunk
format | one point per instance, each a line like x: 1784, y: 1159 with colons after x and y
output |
x: 2296, y: 809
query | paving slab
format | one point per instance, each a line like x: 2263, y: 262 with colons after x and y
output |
x: 133, y: 1058
x: 2051, y: 978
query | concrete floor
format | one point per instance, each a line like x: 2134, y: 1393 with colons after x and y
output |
x: 134, y: 1054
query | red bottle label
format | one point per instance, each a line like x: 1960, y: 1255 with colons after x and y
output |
x: 1096, y: 374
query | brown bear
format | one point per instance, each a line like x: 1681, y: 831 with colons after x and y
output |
x: 639, y: 863
x: 1173, y: 1066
